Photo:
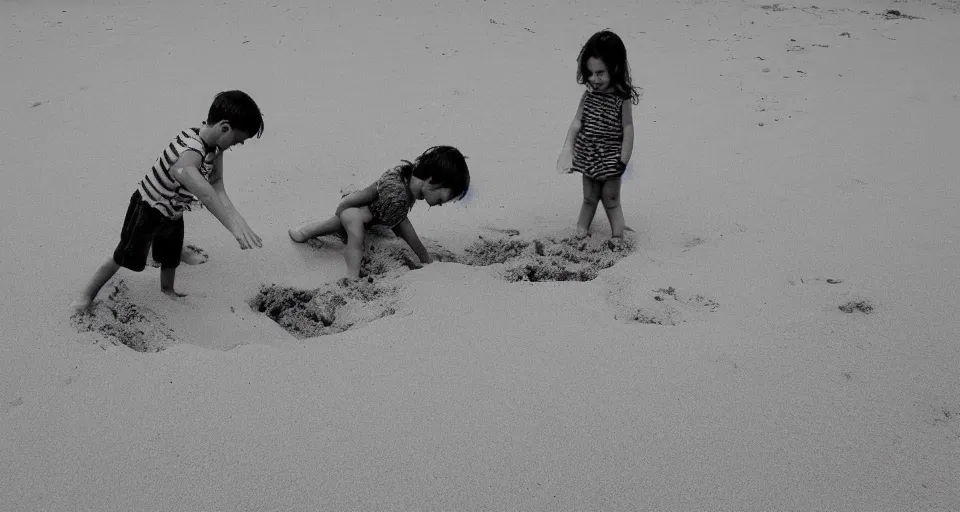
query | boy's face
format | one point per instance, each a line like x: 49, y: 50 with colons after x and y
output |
x: 230, y: 136
x: 599, y: 77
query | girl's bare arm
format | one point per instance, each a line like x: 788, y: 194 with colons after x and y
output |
x: 565, y: 160
x: 575, y: 124
x: 627, y: 115
x: 405, y: 231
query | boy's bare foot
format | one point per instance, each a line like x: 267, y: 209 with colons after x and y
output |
x: 193, y: 255
x: 296, y: 235
x: 580, y: 234
x: 79, y: 306
x: 170, y: 292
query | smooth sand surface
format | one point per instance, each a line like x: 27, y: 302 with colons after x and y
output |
x: 712, y: 368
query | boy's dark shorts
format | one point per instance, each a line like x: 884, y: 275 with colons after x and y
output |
x: 144, y: 226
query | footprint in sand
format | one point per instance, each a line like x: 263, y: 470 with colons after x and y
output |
x: 505, y: 231
x: 189, y: 255
x: 948, y: 5
x: 944, y: 415
x: 691, y: 242
x: 893, y: 14
x: 815, y: 280
x: 836, y: 290
x: 862, y: 305
x: 11, y: 404
x: 657, y: 306
x: 193, y: 255
x: 124, y: 322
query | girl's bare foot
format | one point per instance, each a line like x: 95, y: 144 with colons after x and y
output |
x: 580, y: 234
x: 296, y: 235
x: 81, y: 305
x: 618, y: 243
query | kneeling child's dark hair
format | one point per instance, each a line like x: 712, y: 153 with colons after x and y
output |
x: 444, y: 166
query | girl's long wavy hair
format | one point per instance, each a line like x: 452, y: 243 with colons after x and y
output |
x: 608, y: 47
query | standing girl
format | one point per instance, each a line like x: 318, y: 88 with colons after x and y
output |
x: 437, y: 176
x: 600, y: 139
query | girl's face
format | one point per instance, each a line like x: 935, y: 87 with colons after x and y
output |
x: 597, y: 75
x: 435, y: 195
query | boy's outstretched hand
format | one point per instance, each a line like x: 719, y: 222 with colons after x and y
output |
x: 245, y: 236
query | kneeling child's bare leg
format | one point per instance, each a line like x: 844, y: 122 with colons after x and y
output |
x: 314, y: 229
x: 354, y: 221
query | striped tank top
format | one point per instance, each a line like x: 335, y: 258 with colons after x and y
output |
x: 600, y: 140
x: 158, y: 187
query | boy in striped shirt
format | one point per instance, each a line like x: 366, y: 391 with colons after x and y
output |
x: 187, y: 175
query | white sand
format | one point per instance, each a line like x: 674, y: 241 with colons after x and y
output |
x: 481, y: 394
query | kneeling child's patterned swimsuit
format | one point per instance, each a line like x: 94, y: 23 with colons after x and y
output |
x: 394, y: 199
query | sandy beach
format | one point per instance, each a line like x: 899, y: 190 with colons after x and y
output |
x: 780, y: 332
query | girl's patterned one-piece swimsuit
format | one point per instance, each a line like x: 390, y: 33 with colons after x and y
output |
x: 597, y: 149
x: 394, y: 199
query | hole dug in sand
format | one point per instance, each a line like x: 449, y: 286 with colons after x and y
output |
x: 547, y: 258
x: 330, y: 309
x: 346, y: 304
x: 134, y: 326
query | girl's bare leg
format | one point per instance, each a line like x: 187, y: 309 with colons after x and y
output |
x: 610, y: 196
x: 354, y: 221
x: 314, y: 229
x: 591, y: 196
x: 100, y: 278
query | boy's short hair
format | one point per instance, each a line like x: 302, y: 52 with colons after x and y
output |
x: 239, y: 110
x: 444, y: 166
